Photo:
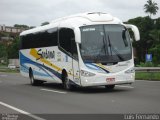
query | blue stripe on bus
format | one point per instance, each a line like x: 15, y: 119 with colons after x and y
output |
x: 95, y: 67
x: 24, y: 59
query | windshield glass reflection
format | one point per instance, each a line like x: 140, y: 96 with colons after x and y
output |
x: 105, y: 43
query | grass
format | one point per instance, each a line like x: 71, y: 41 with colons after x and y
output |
x: 148, y: 76
x: 9, y: 70
x: 2, y: 65
x: 4, y: 68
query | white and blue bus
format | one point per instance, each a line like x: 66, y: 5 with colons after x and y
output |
x: 88, y: 49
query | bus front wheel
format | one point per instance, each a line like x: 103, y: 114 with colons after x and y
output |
x: 66, y: 83
x: 32, y: 80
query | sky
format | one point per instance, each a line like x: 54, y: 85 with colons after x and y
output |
x: 35, y: 12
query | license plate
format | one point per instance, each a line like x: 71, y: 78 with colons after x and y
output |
x: 110, y: 79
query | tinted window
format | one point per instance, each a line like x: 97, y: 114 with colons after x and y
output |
x: 66, y: 36
x: 41, y: 39
x: 74, y: 49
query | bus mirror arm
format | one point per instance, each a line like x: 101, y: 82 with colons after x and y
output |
x: 77, y: 35
x: 135, y: 31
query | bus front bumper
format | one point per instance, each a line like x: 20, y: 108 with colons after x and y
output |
x: 101, y: 79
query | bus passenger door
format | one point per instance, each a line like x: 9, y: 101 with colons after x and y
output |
x: 69, y: 49
x: 75, y: 63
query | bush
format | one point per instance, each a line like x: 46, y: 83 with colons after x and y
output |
x: 146, y: 64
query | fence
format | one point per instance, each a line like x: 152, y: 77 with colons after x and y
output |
x: 147, y: 69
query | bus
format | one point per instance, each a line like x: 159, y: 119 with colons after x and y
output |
x: 87, y: 49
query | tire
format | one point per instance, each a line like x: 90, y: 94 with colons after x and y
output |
x: 109, y: 87
x: 66, y: 82
x: 34, y: 82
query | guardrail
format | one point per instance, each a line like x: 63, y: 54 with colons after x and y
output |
x: 147, y: 69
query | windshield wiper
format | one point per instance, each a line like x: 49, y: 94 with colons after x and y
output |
x: 103, y: 47
x: 124, y: 38
x: 114, y: 50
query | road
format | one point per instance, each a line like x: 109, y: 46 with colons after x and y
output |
x: 16, y: 92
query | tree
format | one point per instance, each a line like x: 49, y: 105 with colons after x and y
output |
x: 150, y: 38
x: 21, y: 26
x: 156, y: 56
x: 44, y: 23
x: 31, y: 27
x: 144, y: 24
x: 3, y: 50
x: 13, y: 49
x: 151, y: 7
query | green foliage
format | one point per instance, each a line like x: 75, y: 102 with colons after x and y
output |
x: 157, y: 25
x: 144, y: 24
x: 31, y: 27
x: 4, y: 34
x: 151, y: 7
x: 146, y: 64
x: 3, y: 51
x: 150, y: 38
x: 147, y: 76
x: 156, y: 53
x: 155, y: 35
x: 21, y: 26
x: 13, y: 49
x: 44, y: 23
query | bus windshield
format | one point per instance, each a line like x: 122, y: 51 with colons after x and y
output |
x: 105, y: 43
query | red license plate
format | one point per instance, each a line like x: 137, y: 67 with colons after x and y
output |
x: 110, y: 79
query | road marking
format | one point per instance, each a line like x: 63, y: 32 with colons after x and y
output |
x: 21, y: 111
x: 48, y: 90
x: 124, y: 86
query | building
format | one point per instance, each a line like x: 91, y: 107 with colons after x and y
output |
x: 10, y: 29
x: 8, y: 33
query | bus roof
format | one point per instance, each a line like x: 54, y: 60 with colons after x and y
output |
x: 77, y: 20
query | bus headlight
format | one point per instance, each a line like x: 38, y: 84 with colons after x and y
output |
x: 131, y: 70
x: 86, y: 73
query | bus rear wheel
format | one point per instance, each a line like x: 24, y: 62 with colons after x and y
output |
x: 109, y: 87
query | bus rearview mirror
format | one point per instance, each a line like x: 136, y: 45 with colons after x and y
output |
x: 135, y: 31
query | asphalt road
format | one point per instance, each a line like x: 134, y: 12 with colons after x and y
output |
x: 16, y: 92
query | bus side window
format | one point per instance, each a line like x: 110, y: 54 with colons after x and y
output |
x: 74, y: 48
x: 41, y: 39
x: 67, y: 40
